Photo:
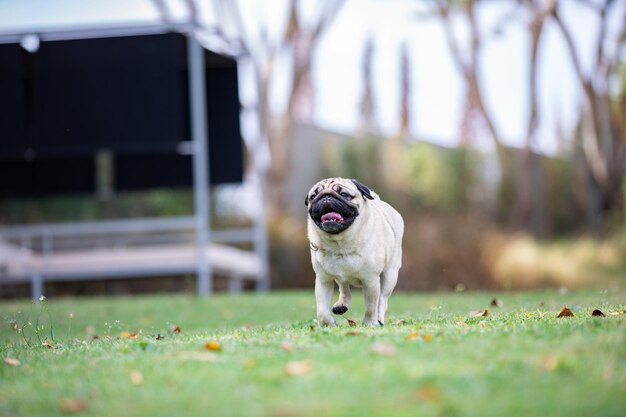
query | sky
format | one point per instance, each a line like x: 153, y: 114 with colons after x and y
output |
x: 437, y: 95
x: 436, y: 89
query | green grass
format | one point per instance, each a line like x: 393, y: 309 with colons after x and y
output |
x: 519, y: 361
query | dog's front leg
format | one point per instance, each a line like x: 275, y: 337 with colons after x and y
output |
x: 372, y: 294
x: 323, y: 296
x: 342, y: 304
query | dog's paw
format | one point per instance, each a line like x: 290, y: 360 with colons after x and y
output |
x: 326, y: 321
x: 372, y: 323
x: 340, y: 309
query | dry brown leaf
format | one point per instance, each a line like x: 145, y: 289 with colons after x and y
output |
x: 351, y: 322
x: 496, y: 302
x: 412, y: 336
x: 72, y: 405
x: 384, y: 349
x: 565, y: 312
x: 287, y: 347
x: 136, y: 377
x: 47, y: 344
x: 298, y: 368
x: 597, y: 313
x: 480, y: 313
x: 175, y: 329
x: 428, y: 392
x: 12, y: 361
x: 129, y: 335
x: 425, y: 337
x: 550, y: 363
x: 213, y: 345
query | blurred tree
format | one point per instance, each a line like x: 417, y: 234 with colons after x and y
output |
x: 603, y: 114
x: 468, y: 65
x: 527, y: 178
x: 368, y: 111
x: 294, y: 51
x: 405, y: 90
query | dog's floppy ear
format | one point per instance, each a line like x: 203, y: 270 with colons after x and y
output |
x: 306, y: 200
x: 365, y: 192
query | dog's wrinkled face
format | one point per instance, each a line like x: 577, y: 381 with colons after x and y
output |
x: 334, y: 203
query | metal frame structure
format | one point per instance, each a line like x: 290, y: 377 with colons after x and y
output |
x: 199, y: 223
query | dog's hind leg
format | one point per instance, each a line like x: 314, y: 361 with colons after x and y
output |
x: 342, y: 304
x: 371, y: 291
x: 388, y: 280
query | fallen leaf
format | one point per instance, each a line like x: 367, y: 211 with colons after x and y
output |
x: 496, y: 302
x: 175, y: 330
x: 12, y: 361
x: 136, y: 377
x: 72, y: 405
x: 426, y: 337
x: 565, y: 312
x: 550, y: 363
x: 298, y: 368
x: 428, y: 392
x: 47, y: 344
x: 401, y: 321
x: 287, y: 347
x: 412, y: 336
x: 213, y: 345
x: 597, y: 313
x: 384, y: 349
x: 480, y: 313
x: 353, y: 333
x: 351, y: 323
x: 129, y: 335
x: 461, y: 323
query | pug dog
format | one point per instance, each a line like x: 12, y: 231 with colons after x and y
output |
x: 355, y: 240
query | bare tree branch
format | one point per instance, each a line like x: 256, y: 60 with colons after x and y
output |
x: 591, y: 145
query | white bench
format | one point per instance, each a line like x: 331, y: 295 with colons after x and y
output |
x: 148, y: 256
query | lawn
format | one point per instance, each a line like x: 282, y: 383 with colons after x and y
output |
x: 264, y: 355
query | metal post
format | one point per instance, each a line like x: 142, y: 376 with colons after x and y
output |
x: 260, y: 239
x: 199, y: 135
x: 36, y: 286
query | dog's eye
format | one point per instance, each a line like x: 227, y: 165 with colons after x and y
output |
x: 345, y: 195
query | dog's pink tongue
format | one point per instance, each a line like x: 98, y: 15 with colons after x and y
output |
x: 332, y: 216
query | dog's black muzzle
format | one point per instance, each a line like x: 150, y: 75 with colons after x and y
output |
x: 331, y: 213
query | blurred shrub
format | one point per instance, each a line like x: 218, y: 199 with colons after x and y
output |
x: 521, y: 262
x: 439, y: 177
